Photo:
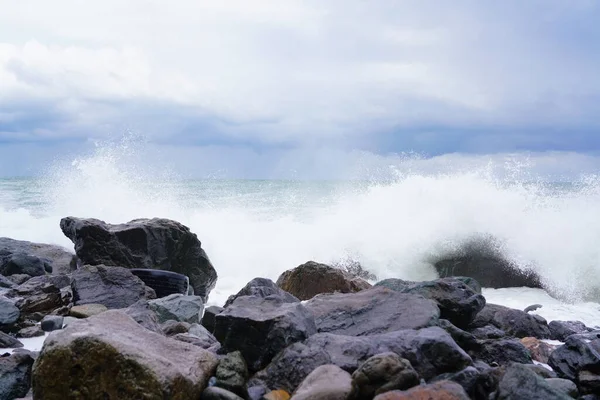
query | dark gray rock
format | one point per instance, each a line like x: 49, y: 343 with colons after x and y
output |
x: 17, y: 279
x: 589, y: 382
x: 217, y: 393
x: 38, y: 294
x: 469, y: 378
x: 114, y: 287
x: 7, y: 341
x: 371, y: 311
x: 21, y: 263
x: 542, y: 371
x: 6, y: 283
x: 232, y: 374
x: 513, y: 322
x: 564, y: 386
x: 382, y: 373
x: 561, y: 330
x: 56, y: 258
x: 458, y: 302
x: 437, y: 390
x: 178, y: 307
x: 30, y: 332
x: 9, y: 313
x: 52, y: 323
x: 261, y: 327
x: 143, y: 315
x: 143, y: 243
x: 262, y: 287
x: 431, y: 351
x: 488, y: 332
x: 171, y: 327
x: 574, y: 356
x: 521, y: 383
x: 502, y: 352
x: 208, y: 319
x: 464, y: 339
x: 15, y: 375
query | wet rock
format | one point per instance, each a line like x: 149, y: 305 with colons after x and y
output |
x: 457, y: 301
x: 541, y: 370
x: 502, y: 352
x: 111, y: 356
x: 376, y: 310
x: 514, y: 322
x: 561, y: 330
x: 468, y: 378
x: 9, y: 313
x: 488, y: 332
x: 178, y: 307
x: 114, y: 287
x: 431, y: 351
x: 87, y: 310
x: 15, y: 375
x: 143, y: 243
x: 208, y: 319
x: 382, y: 373
x: 310, y: 279
x: 521, y: 383
x: 539, y: 350
x: 7, y: 341
x: 261, y: 327
x: 143, y: 315
x: 444, y: 390
x: 171, y: 327
x: 574, y: 356
x: 38, y: 294
x: 563, y: 386
x: 21, y: 263
x: 589, y: 382
x: 30, y: 332
x: 232, y: 374
x: 52, y: 323
x: 327, y: 382
x: 217, y: 393
x: 262, y: 287
x: 464, y: 339
x: 55, y: 257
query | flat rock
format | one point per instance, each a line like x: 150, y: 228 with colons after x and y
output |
x: 326, y: 382
x: 111, y: 356
x: 262, y: 287
x: 143, y: 243
x: 87, y: 310
x: 372, y: 311
x: 312, y: 278
x: 178, y: 307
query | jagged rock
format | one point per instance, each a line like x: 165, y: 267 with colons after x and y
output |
x: 170, y: 328
x: 217, y: 393
x: 39, y: 294
x: 143, y: 243
x: 521, y: 383
x: 114, y: 287
x: 208, y: 319
x: 57, y: 258
x: 514, y: 322
x: 464, y: 339
x: 502, y: 352
x: 561, y: 330
x: 87, y: 310
x: 143, y: 315
x: 15, y: 375
x: 457, y: 301
x: 9, y: 313
x: 444, y: 390
x: 574, y: 356
x: 18, y: 279
x: 564, y: 386
x: 431, y: 351
x: 262, y: 287
x: 326, y: 382
x: 382, y: 373
x: 6, y: 283
x: 310, y: 279
x: 261, y: 327
x: 371, y: 311
x: 52, y: 323
x: 7, y: 341
x: 232, y: 374
x: 469, y: 378
x: 178, y: 307
x: 539, y: 350
x: 111, y: 356
x: 30, y: 332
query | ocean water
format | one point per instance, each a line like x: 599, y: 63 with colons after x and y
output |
x: 393, y: 227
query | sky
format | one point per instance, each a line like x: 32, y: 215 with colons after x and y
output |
x: 310, y: 88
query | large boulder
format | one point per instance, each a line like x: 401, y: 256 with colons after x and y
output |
x: 262, y: 287
x: 114, y: 287
x: 431, y: 351
x: 21, y: 264
x: 311, y: 279
x: 15, y: 375
x: 53, y: 257
x: 261, y: 327
x: 561, y: 330
x: 574, y: 356
x: 178, y: 307
x: 458, y: 302
x: 376, y: 310
x: 143, y: 243
x: 519, y: 382
x: 110, y: 356
x: 482, y: 259
x: 513, y: 322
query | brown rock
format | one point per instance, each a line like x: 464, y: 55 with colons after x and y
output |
x: 277, y: 395
x: 311, y: 279
x: 540, y: 351
x: 444, y: 390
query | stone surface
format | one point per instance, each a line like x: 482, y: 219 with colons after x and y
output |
x: 312, y: 278
x: 9, y: 313
x: 589, y: 382
x: 87, y: 310
x: 471, y: 380
x: 114, y: 287
x: 111, y: 356
x: 521, y: 383
x: 30, y: 332
x: 7, y: 341
x: 39, y: 294
x: 564, y: 386
x: 502, y: 352
x: 326, y: 382
x: 431, y: 351
x: 15, y: 375
x: 178, y: 307
x: 207, y: 342
x: 382, y: 373
x: 488, y: 332
x: 574, y: 356
x: 208, y: 319
x: 21, y: 263
x: 444, y: 390
x: 539, y: 350
x: 561, y: 330
x: 513, y: 322
x: 464, y: 339
x: 262, y: 287
x: 59, y: 259
x: 143, y: 315
x: 170, y: 328
x: 6, y: 283
x: 376, y: 310
x: 52, y: 323
x: 143, y: 243
x: 261, y: 327
x: 217, y: 393
x: 458, y: 302
x: 276, y: 395
x: 232, y: 374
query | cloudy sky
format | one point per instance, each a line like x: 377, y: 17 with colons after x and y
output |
x: 264, y: 88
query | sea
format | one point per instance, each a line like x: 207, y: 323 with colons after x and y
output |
x: 395, y: 227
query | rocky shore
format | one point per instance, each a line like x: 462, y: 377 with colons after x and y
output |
x: 319, y: 332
